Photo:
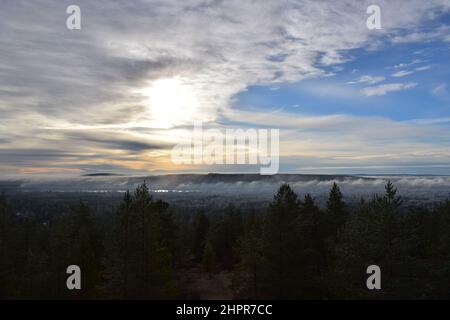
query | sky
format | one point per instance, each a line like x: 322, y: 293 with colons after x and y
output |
x: 118, y: 94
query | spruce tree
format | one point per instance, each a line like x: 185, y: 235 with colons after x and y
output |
x: 336, y: 214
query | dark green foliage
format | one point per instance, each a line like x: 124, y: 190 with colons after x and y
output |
x: 294, y: 250
x: 281, y: 236
x: 397, y: 242
x: 225, y: 232
x: 249, y: 278
x: 9, y: 244
x: 209, y: 258
x: 336, y: 213
x: 35, y: 254
x: 143, y: 268
x: 75, y: 240
x: 200, y: 231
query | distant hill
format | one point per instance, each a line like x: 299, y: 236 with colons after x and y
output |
x: 102, y: 175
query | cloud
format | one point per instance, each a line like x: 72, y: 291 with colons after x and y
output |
x: 440, y: 90
x: 368, y: 79
x: 405, y: 65
x: 329, y: 89
x: 444, y: 120
x: 332, y: 57
x: 383, y: 89
x: 132, y: 145
x: 423, y: 68
x: 403, y: 73
x: 441, y: 33
x: 91, y: 79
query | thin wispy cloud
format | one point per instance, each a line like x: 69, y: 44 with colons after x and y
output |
x: 440, y: 90
x: 368, y: 79
x: 383, y: 89
x: 440, y: 33
x: 405, y: 65
x: 404, y: 73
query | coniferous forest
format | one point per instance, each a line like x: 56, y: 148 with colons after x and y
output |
x: 293, y: 249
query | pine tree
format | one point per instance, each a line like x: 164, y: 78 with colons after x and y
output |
x: 335, y: 211
x: 209, y: 258
x: 86, y: 249
x: 226, y: 230
x: 280, y: 235
x: 122, y: 244
x: 249, y: 276
x: 149, y: 258
x: 391, y: 195
x: 312, y: 247
x: 200, y: 231
x: 372, y: 236
x: 8, y: 246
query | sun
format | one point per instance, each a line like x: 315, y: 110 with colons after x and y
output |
x: 172, y: 102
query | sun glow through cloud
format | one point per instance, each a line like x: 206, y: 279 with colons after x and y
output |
x: 172, y: 102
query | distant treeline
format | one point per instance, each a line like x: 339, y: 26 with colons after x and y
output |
x: 293, y: 250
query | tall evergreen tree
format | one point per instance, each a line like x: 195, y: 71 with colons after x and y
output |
x: 280, y: 235
x: 200, y: 231
x: 144, y: 265
x: 250, y: 274
x: 336, y: 213
x: 8, y: 247
x: 226, y: 231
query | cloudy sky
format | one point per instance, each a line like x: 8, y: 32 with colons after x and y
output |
x: 117, y: 95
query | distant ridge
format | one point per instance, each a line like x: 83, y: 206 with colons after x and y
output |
x: 100, y: 174
x: 240, y: 177
x: 177, y: 178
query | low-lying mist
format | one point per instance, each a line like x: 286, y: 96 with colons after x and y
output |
x: 240, y: 188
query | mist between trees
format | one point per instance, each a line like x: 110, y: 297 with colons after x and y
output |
x: 293, y: 249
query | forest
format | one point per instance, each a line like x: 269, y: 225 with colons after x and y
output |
x: 293, y: 249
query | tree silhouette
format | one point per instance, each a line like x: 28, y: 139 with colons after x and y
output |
x: 280, y: 235
x: 336, y: 214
